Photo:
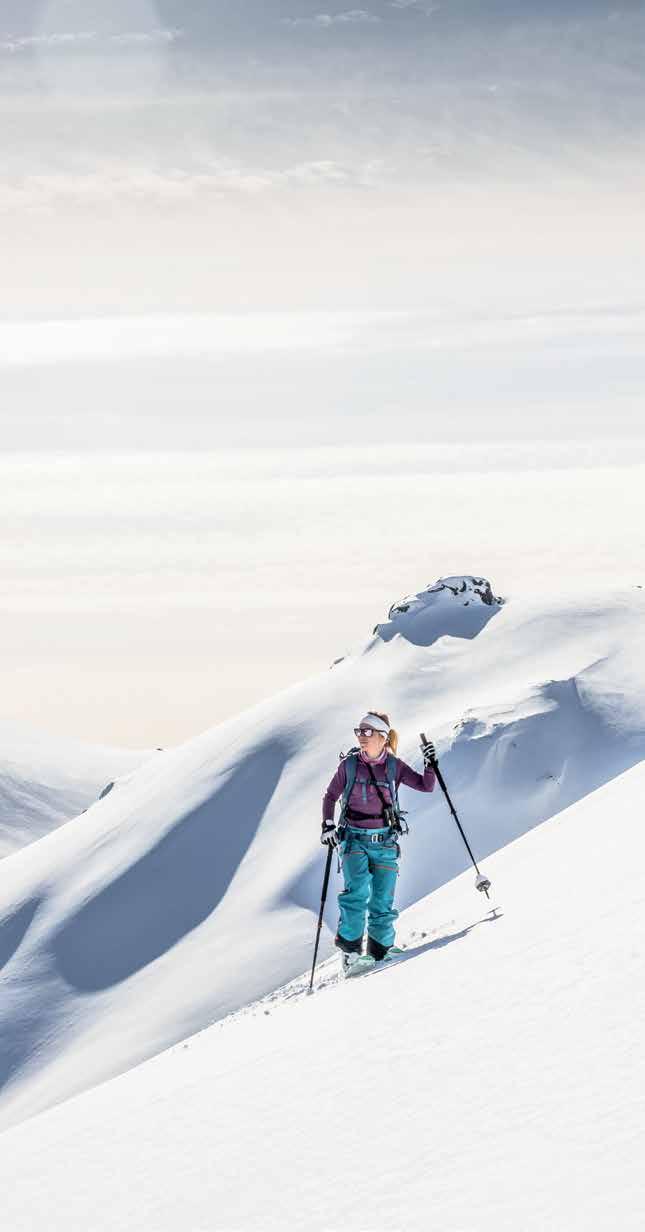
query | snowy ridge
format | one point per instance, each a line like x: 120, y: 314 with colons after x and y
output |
x: 502, y: 1057
x: 192, y: 891
x: 45, y: 780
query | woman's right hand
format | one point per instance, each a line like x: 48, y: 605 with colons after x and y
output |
x: 329, y: 834
x: 429, y: 752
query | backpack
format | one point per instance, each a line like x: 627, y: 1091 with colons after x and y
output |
x: 351, y: 766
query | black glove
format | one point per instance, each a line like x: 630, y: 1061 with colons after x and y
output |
x: 329, y: 834
x: 429, y: 753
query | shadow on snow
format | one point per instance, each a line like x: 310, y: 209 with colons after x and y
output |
x: 14, y: 927
x: 174, y: 887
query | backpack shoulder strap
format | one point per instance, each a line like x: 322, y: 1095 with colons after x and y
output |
x: 391, y: 778
x: 350, y: 762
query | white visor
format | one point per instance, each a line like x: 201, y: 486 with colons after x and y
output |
x: 379, y: 725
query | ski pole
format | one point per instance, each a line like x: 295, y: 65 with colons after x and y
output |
x: 482, y: 882
x: 323, y: 898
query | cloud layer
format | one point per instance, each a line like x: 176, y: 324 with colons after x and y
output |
x: 352, y: 17
x: 79, y: 39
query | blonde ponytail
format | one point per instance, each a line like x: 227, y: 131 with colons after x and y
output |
x: 392, y: 741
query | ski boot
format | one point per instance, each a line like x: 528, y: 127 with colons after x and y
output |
x: 356, y: 964
x: 353, y: 961
x: 383, y: 953
x: 377, y: 951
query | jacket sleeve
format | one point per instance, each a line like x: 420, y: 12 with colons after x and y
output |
x: 335, y: 789
x: 418, y: 782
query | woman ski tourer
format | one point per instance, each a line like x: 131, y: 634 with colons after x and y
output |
x: 367, y: 834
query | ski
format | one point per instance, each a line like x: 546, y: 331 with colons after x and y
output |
x: 364, y: 963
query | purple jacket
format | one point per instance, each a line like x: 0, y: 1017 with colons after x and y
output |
x: 364, y: 797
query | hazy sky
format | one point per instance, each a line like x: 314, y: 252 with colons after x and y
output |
x: 146, y: 597
x: 233, y: 233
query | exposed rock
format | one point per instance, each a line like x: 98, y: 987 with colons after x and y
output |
x: 469, y: 586
x: 437, y: 611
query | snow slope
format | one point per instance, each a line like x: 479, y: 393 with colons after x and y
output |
x: 493, y: 1080
x: 193, y: 890
x: 45, y: 780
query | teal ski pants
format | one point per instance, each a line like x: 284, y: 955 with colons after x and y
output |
x: 370, y: 871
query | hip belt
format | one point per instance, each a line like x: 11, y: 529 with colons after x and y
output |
x: 371, y: 836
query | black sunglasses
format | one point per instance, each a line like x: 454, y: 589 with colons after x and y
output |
x: 367, y: 731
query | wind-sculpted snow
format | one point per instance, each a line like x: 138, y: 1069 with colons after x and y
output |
x: 124, y: 927
x: 192, y: 888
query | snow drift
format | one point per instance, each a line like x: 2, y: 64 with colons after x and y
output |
x: 192, y: 890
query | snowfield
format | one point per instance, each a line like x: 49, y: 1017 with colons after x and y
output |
x: 192, y: 889
x: 45, y: 780
x: 491, y: 1081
